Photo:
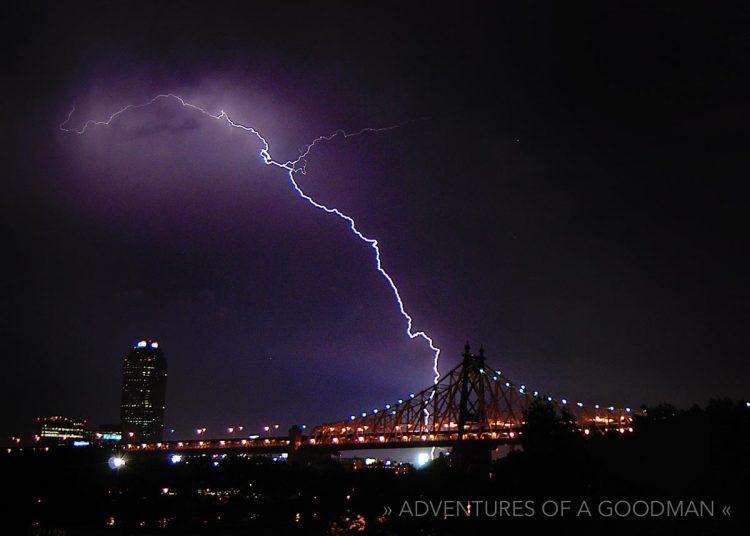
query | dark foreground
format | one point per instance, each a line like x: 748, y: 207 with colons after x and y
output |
x: 677, y: 473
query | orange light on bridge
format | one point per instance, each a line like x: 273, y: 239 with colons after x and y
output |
x: 335, y: 440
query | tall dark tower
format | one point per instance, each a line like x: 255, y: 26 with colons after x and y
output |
x: 144, y: 385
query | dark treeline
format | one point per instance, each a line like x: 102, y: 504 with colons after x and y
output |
x: 699, y: 455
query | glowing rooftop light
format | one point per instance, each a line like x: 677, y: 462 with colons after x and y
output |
x: 142, y: 344
x: 154, y: 344
x: 564, y: 401
x: 352, y: 417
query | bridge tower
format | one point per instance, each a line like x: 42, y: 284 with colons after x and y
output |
x: 472, y: 456
x: 471, y: 404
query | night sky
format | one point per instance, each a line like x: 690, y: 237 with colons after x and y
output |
x: 567, y: 188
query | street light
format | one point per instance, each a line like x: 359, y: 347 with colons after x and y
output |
x: 116, y: 462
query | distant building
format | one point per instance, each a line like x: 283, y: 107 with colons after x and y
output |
x: 105, y: 433
x: 144, y: 383
x: 58, y: 430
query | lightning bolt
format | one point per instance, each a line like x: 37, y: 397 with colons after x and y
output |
x: 291, y: 167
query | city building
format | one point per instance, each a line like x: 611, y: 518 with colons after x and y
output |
x: 59, y: 430
x: 144, y: 382
x: 105, y: 434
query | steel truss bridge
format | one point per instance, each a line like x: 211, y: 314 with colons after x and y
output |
x: 472, y: 404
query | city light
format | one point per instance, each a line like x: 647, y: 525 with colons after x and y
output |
x: 422, y: 459
x: 116, y: 462
x: 175, y: 458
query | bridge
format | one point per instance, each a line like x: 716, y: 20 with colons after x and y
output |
x: 473, y: 406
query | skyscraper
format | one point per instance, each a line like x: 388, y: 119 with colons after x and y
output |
x: 144, y: 383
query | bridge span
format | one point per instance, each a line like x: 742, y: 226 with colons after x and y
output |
x: 471, y: 405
